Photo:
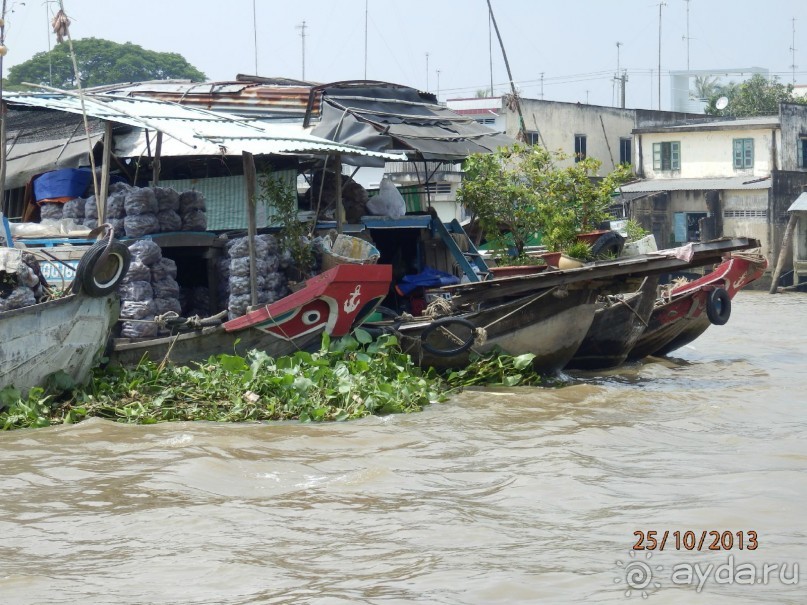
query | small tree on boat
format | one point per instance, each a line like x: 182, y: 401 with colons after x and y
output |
x: 519, y: 192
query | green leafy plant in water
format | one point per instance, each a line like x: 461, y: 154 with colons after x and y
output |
x: 345, y: 379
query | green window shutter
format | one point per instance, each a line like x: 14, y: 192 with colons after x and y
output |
x: 749, y: 153
x: 738, y: 153
x: 656, y: 156
x: 802, y: 153
x: 675, y: 156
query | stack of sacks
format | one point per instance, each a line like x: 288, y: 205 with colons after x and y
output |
x: 168, y: 209
x: 149, y: 289
x: 270, y: 282
x: 141, y: 212
x: 193, y: 211
x: 116, y: 208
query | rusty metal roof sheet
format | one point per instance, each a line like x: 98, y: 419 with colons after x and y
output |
x: 202, y: 132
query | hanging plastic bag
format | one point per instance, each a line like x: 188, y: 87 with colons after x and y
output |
x: 388, y: 202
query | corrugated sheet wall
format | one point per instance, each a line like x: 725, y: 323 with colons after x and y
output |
x: 226, y: 199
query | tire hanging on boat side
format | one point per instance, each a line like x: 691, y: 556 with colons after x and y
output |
x: 444, y: 323
x: 102, y: 268
x: 718, y: 306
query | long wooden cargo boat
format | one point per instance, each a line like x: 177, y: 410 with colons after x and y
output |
x: 689, y: 309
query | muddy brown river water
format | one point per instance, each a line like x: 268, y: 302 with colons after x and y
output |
x: 529, y: 495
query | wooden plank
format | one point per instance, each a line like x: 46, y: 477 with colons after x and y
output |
x: 249, y: 177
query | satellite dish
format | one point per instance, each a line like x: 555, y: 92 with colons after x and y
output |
x: 722, y: 103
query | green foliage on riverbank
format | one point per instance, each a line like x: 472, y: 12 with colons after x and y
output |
x: 346, y: 379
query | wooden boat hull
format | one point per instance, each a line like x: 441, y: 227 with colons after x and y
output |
x: 550, y: 325
x: 183, y: 349
x: 67, y: 334
x: 333, y: 302
x: 678, y: 320
x: 617, y: 326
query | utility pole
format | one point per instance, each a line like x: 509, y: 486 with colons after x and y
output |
x: 622, y: 82
x: 427, y: 72
x: 302, y: 27
x: 255, y: 34
x: 490, y: 49
x: 438, y: 85
x: 542, y: 86
x: 616, y: 76
x: 661, y: 5
x: 365, y: 38
x: 793, y: 51
x: 687, y: 36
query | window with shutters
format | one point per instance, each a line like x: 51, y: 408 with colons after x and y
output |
x: 803, y: 152
x: 743, y: 154
x: 667, y: 156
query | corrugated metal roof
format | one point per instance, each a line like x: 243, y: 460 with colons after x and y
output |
x: 203, y: 132
x: 286, y: 100
x: 800, y: 204
x: 730, y: 183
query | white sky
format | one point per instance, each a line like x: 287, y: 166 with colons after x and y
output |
x: 573, y: 43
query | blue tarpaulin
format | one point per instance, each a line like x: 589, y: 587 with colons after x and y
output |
x: 64, y: 183
x: 427, y: 278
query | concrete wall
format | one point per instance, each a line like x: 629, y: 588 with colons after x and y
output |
x: 557, y: 124
x: 794, y: 126
x: 710, y: 154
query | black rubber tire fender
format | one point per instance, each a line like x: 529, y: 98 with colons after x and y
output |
x: 444, y: 322
x: 99, y: 272
x: 608, y: 244
x: 718, y: 306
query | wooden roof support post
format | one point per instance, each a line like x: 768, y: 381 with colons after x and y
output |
x: 3, y: 159
x: 100, y: 200
x: 340, y: 211
x: 155, y: 164
x: 780, y: 260
x: 249, y: 177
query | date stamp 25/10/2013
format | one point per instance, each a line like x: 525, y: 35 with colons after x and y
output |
x: 695, y: 540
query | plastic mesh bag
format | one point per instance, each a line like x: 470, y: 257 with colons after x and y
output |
x: 90, y: 208
x: 52, y: 212
x: 239, y: 248
x: 169, y: 221
x: 131, y: 329
x: 240, y: 267
x: 194, y: 220
x: 240, y: 285
x: 165, y: 288
x: 136, y: 291
x: 141, y: 224
x: 137, y: 272
x: 165, y: 269
x: 20, y: 297
x: 167, y: 305
x: 115, y: 205
x: 146, y: 251
x: 74, y: 209
x: 132, y: 309
x: 167, y: 198
x: 192, y: 200
x: 118, y: 226
x: 140, y: 201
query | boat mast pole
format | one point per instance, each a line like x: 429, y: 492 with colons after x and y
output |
x: 2, y: 116
x: 522, y: 130
x: 61, y: 26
